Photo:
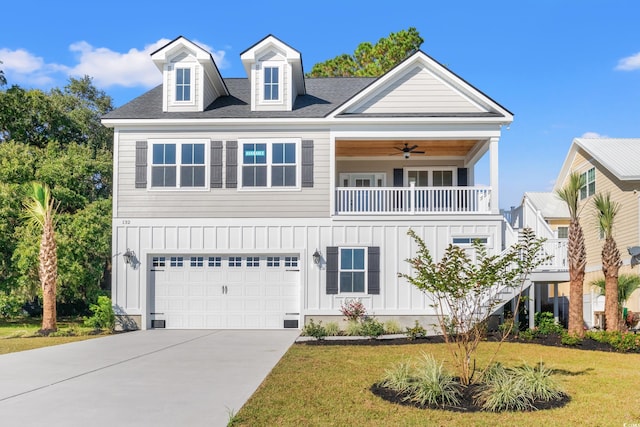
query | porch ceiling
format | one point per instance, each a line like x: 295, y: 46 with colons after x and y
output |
x: 384, y: 148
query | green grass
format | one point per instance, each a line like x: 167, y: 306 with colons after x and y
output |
x: 21, y: 334
x: 329, y: 386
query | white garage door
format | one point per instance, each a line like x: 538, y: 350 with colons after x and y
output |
x: 224, y: 291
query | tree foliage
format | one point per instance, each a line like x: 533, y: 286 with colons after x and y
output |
x: 68, y: 115
x: 75, y: 161
x: 3, y: 79
x: 371, y: 60
x: 465, y: 293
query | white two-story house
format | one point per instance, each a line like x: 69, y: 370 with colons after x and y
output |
x: 264, y: 201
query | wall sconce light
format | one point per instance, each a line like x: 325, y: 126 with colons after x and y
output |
x: 129, y: 256
x: 316, y: 257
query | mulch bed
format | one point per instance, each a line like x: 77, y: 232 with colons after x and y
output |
x: 548, y: 340
x: 467, y: 403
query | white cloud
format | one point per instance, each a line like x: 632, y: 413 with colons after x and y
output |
x: 107, y: 67
x: 593, y: 135
x: 629, y: 63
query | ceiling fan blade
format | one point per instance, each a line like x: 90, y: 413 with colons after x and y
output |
x: 399, y: 149
x: 418, y: 152
x: 412, y: 148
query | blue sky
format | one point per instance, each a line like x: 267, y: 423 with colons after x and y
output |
x: 566, y: 69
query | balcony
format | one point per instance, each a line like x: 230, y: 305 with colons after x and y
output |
x: 412, y: 200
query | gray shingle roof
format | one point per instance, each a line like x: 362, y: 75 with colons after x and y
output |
x: 323, y: 96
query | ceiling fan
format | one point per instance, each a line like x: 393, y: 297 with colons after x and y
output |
x: 406, y: 150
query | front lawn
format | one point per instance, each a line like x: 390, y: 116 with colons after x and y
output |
x: 327, y: 385
x: 21, y: 334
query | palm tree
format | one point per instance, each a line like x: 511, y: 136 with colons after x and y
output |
x: 39, y: 211
x: 577, y: 253
x: 627, y: 284
x: 606, y: 211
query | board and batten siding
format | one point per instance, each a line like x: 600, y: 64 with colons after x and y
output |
x: 220, y: 237
x: 419, y: 91
x: 306, y: 202
x: 626, y: 226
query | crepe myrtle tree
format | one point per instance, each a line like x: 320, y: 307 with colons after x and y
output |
x: 465, y: 293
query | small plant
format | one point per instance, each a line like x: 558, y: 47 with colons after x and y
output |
x: 505, y: 392
x: 398, y: 377
x: 529, y: 334
x: 103, y: 316
x: 353, y: 309
x: 354, y: 328
x: 372, y: 328
x: 537, y: 382
x: 315, y: 330
x: 619, y: 341
x: 433, y: 385
x: 332, y: 328
x: 417, y: 331
x: 233, y: 417
x: 392, y: 327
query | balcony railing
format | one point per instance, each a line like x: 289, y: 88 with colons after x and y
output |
x: 557, y: 248
x: 412, y: 200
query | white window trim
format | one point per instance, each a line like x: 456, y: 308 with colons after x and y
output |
x: 279, y: 66
x: 179, y: 143
x: 269, y: 164
x: 366, y: 270
x: 192, y: 93
x: 430, y: 170
x: 473, y: 237
x: 585, y: 171
x: 351, y: 176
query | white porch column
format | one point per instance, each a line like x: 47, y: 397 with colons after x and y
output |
x: 556, y: 315
x: 532, y: 305
x: 493, y: 180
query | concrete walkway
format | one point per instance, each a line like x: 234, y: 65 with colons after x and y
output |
x: 144, y: 378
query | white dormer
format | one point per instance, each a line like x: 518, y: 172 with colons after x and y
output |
x: 190, y: 78
x: 275, y: 73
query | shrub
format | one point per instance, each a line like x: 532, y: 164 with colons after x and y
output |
x: 392, y: 327
x: 353, y: 309
x: 332, y: 328
x: 619, y: 341
x: 372, y: 328
x: 103, y: 316
x: 570, y: 340
x: 354, y: 328
x: 417, y: 331
x: 529, y: 334
x: 315, y: 330
x: 546, y: 323
x: 11, y: 306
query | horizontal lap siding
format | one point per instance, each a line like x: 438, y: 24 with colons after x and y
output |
x: 625, y: 228
x: 221, y: 202
x: 419, y: 91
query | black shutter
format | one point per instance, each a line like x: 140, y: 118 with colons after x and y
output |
x: 232, y: 164
x: 332, y: 270
x: 398, y: 177
x: 462, y: 177
x: 373, y: 270
x: 307, y: 163
x: 216, y: 164
x: 141, y: 164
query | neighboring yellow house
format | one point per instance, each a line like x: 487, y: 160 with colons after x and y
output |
x: 609, y: 165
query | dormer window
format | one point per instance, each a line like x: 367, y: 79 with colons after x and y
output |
x: 271, y: 83
x: 183, y: 84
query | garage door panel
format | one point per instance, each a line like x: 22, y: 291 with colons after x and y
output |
x: 233, y: 292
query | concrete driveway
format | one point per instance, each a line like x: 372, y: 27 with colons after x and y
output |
x: 144, y: 378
